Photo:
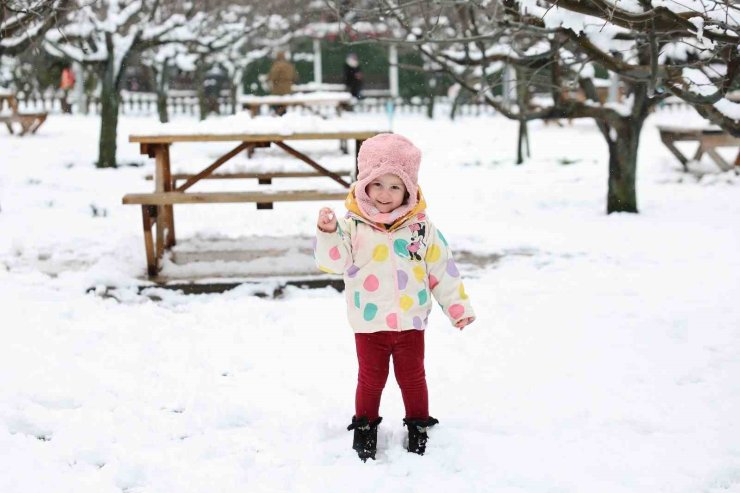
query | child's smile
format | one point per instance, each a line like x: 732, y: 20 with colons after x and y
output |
x: 387, y: 192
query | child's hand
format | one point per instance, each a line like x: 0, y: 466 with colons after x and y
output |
x: 460, y: 324
x: 327, y: 220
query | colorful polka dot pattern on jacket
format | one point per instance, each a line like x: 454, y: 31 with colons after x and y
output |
x: 391, y: 276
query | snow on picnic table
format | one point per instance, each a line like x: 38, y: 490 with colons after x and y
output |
x: 298, y: 97
x: 605, y: 357
x: 241, y: 123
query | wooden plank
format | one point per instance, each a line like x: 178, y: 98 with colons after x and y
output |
x: 169, y: 213
x: 358, y: 144
x: 312, y: 163
x: 151, y: 258
x: 279, y: 100
x: 218, y: 162
x: 160, y: 185
x: 720, y: 140
x: 242, y: 137
x: 257, y: 175
x: 719, y: 160
x: 165, y: 198
x: 678, y: 133
x: 13, y: 104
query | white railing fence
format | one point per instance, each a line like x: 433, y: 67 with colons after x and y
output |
x: 186, y: 103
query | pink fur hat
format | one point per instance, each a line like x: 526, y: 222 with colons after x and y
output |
x: 387, y: 153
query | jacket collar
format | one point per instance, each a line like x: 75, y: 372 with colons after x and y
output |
x: 411, y: 216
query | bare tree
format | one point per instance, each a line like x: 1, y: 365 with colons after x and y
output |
x: 655, y: 48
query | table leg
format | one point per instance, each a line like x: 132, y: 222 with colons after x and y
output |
x: 358, y: 144
x: 312, y: 163
x: 723, y: 165
x: 699, y: 152
x: 169, y: 239
x: 25, y: 125
x: 674, y: 150
x: 162, y: 183
x: 151, y: 259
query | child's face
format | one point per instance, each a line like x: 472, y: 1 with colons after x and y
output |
x: 387, y: 192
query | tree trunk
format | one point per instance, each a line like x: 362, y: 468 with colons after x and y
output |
x: 161, y: 74
x: 622, y: 193
x: 233, y: 98
x: 522, y: 101
x: 522, y: 148
x: 200, y: 89
x: 109, y: 100
x: 456, y: 104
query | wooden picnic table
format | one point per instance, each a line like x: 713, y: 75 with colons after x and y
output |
x: 28, y: 122
x: 157, y: 207
x: 309, y: 101
x: 709, y: 139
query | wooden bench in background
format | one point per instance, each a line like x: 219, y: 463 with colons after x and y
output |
x: 709, y: 139
x: 310, y: 102
x: 28, y: 122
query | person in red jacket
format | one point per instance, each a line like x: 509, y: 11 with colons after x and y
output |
x: 66, y: 83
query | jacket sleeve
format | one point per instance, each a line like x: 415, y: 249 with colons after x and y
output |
x: 333, y: 251
x: 444, y: 278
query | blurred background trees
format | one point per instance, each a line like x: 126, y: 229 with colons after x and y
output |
x: 528, y: 59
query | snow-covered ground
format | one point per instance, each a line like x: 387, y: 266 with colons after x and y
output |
x: 606, y: 355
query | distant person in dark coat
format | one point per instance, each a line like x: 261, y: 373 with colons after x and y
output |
x: 212, y: 84
x: 353, y: 75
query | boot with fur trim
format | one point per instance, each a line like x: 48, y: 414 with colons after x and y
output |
x: 418, y: 433
x: 365, y: 441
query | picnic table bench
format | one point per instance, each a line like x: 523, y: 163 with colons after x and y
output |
x: 157, y: 206
x: 28, y: 122
x: 709, y: 139
x: 309, y: 101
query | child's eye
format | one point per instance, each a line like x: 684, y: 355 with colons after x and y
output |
x: 395, y: 187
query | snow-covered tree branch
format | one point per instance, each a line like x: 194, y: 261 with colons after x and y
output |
x: 106, y: 34
x: 513, y: 53
x: 22, y: 22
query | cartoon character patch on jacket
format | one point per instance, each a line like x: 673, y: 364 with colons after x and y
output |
x: 418, y: 232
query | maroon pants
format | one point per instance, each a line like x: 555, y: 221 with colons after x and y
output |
x: 373, y: 355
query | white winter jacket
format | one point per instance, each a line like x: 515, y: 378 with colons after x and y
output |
x: 390, y: 273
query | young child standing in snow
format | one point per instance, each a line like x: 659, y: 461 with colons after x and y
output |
x: 392, y: 258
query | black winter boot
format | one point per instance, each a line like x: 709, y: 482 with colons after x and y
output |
x: 365, y: 441
x: 418, y: 433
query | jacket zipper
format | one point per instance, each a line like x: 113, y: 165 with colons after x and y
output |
x: 391, y: 254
